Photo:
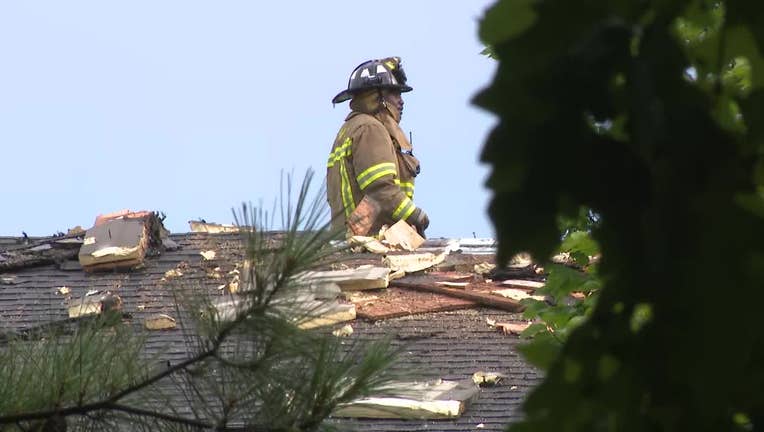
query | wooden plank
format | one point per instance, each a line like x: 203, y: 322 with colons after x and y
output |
x: 411, y: 263
x: 159, y: 322
x: 402, y: 235
x: 450, y: 284
x: 371, y: 244
x: 437, y: 399
x: 516, y: 294
x: 361, y: 278
x: 396, y: 302
x: 119, y: 243
x: 95, y: 305
x: 519, y: 283
x: 305, y: 312
x: 85, y: 307
x: 18, y: 259
x: 335, y: 313
x: 481, y: 298
x: 212, y: 228
x: 512, y: 328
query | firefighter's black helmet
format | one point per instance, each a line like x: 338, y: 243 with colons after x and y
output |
x: 384, y: 73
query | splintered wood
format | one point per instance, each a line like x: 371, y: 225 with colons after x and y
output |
x: 508, y: 327
x: 305, y: 312
x: 402, y: 235
x: 159, y: 322
x: 212, y: 228
x: 411, y: 263
x: 361, y: 278
x: 437, y: 399
x: 119, y: 241
x: 94, y: 304
x: 526, y: 284
x: 397, y: 302
x: 516, y: 294
x: 371, y: 244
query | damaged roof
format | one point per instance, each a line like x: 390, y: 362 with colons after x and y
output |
x: 443, y: 333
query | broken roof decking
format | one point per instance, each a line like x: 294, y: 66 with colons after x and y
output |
x: 448, y: 345
x: 453, y: 346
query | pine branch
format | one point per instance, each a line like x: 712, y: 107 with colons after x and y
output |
x: 291, y: 381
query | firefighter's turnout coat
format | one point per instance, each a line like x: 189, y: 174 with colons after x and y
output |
x: 369, y: 159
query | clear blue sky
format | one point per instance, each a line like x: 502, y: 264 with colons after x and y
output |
x: 191, y: 107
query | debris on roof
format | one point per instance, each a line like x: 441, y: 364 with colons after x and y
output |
x: 40, y: 251
x: 159, y: 322
x: 399, y: 237
x: 172, y: 274
x: 95, y: 304
x: 203, y: 227
x: 414, y: 262
x: 343, y: 331
x: 208, y: 255
x: 509, y: 327
x: 437, y: 399
x: 440, y: 327
x: 516, y: 294
x: 477, y: 296
x: 487, y: 379
x: 484, y: 268
x: 397, y: 302
x: 523, y: 284
x: 403, y: 235
x: 371, y: 244
x: 121, y: 240
x: 363, y: 277
x: 306, y: 313
x: 324, y: 313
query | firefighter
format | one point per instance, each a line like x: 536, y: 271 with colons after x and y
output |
x: 371, y: 167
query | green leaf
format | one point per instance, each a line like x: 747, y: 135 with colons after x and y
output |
x: 507, y: 19
x: 533, y: 307
x: 563, y: 281
x: 571, y: 370
x: 727, y: 112
x: 607, y: 366
x: 489, y: 52
x: 739, y: 42
x: 737, y: 78
x: 533, y: 330
x: 642, y: 314
x: 580, y: 258
x: 541, y: 351
x: 753, y: 202
x: 557, y: 316
x: 580, y: 241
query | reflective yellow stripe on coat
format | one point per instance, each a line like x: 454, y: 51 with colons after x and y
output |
x: 375, y: 172
x: 404, y: 209
x: 340, y: 152
x: 407, y: 188
x: 339, y: 155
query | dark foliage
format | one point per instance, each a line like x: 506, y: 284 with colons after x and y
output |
x: 649, y: 113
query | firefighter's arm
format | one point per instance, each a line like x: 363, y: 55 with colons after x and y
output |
x: 374, y: 162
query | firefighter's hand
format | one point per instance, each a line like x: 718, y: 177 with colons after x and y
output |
x: 421, y: 222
